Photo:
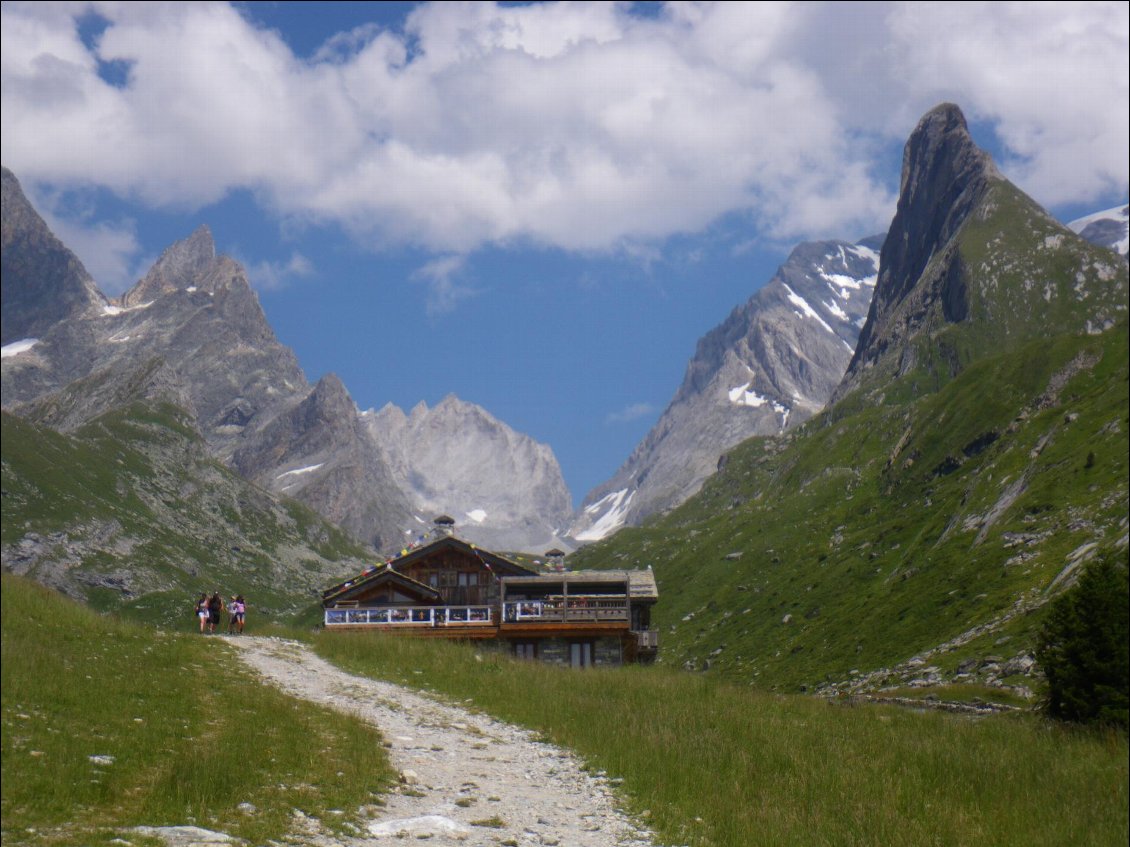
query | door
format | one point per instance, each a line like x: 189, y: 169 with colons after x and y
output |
x: 580, y: 654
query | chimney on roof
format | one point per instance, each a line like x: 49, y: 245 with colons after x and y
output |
x: 444, y: 526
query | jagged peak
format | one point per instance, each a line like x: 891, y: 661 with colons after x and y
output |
x: 330, y: 385
x: 962, y: 250
x: 945, y: 175
x: 181, y: 265
x: 939, y: 146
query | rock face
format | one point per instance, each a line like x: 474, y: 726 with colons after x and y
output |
x: 193, y: 332
x: 770, y: 365
x: 504, y: 489
x: 44, y: 282
x: 964, y: 271
x: 319, y: 451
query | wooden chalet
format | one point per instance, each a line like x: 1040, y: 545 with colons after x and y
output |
x: 451, y: 589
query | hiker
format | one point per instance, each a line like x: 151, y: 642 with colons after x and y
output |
x: 202, y: 611
x: 215, y: 609
x: 238, y: 609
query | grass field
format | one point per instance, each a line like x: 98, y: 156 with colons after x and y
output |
x: 109, y: 724
x: 709, y: 763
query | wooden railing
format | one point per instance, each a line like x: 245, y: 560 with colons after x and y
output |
x: 411, y: 616
x: 647, y: 639
x: 566, y: 610
x: 557, y: 610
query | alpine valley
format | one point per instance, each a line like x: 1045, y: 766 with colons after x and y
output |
x: 876, y: 472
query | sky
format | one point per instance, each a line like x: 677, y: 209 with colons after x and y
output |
x: 537, y: 207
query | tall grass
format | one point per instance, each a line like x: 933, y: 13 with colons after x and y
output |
x: 178, y: 732
x: 708, y: 763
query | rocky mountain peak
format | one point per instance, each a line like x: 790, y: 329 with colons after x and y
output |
x: 504, y: 489
x: 183, y: 265
x: 769, y: 366
x: 971, y: 263
x: 329, y: 401
x: 944, y: 176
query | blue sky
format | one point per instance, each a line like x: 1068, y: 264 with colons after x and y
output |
x: 539, y: 208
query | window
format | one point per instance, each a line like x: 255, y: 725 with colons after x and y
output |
x: 526, y: 649
x: 580, y: 654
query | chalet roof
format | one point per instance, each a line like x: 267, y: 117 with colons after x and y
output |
x: 500, y: 565
x: 640, y: 584
x: 372, y: 578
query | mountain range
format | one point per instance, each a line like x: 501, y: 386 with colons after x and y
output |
x: 970, y: 269
x: 969, y: 464
x: 192, y: 332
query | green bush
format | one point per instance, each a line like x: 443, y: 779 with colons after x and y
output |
x: 1084, y: 648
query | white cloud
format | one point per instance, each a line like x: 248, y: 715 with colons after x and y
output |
x: 1054, y: 78
x: 266, y: 275
x: 630, y: 413
x: 445, y: 291
x: 580, y: 126
x: 108, y: 249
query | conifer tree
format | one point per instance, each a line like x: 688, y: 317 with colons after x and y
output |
x: 1084, y: 648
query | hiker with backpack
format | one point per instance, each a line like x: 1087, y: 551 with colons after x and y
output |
x: 215, y: 609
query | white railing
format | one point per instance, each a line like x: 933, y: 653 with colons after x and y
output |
x: 411, y: 616
x: 564, y: 610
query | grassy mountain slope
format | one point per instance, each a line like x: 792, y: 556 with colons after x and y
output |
x: 898, y: 522
x: 130, y: 513
x: 1009, y: 275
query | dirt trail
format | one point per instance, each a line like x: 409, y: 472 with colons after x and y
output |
x: 469, y: 779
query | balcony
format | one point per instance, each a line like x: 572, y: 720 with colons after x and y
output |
x: 565, y: 610
x: 412, y: 617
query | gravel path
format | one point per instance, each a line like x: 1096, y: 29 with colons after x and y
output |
x: 467, y: 778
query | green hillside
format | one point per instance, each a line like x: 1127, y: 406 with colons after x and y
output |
x: 900, y: 526
x: 130, y: 513
x: 109, y: 725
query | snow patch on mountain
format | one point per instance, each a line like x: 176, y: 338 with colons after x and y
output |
x: 110, y: 310
x: 297, y: 471
x: 17, y: 347
x: 742, y: 396
x: 808, y: 311
x: 612, y: 510
x: 1109, y: 228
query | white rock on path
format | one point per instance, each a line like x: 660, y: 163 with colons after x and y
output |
x: 477, y: 781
